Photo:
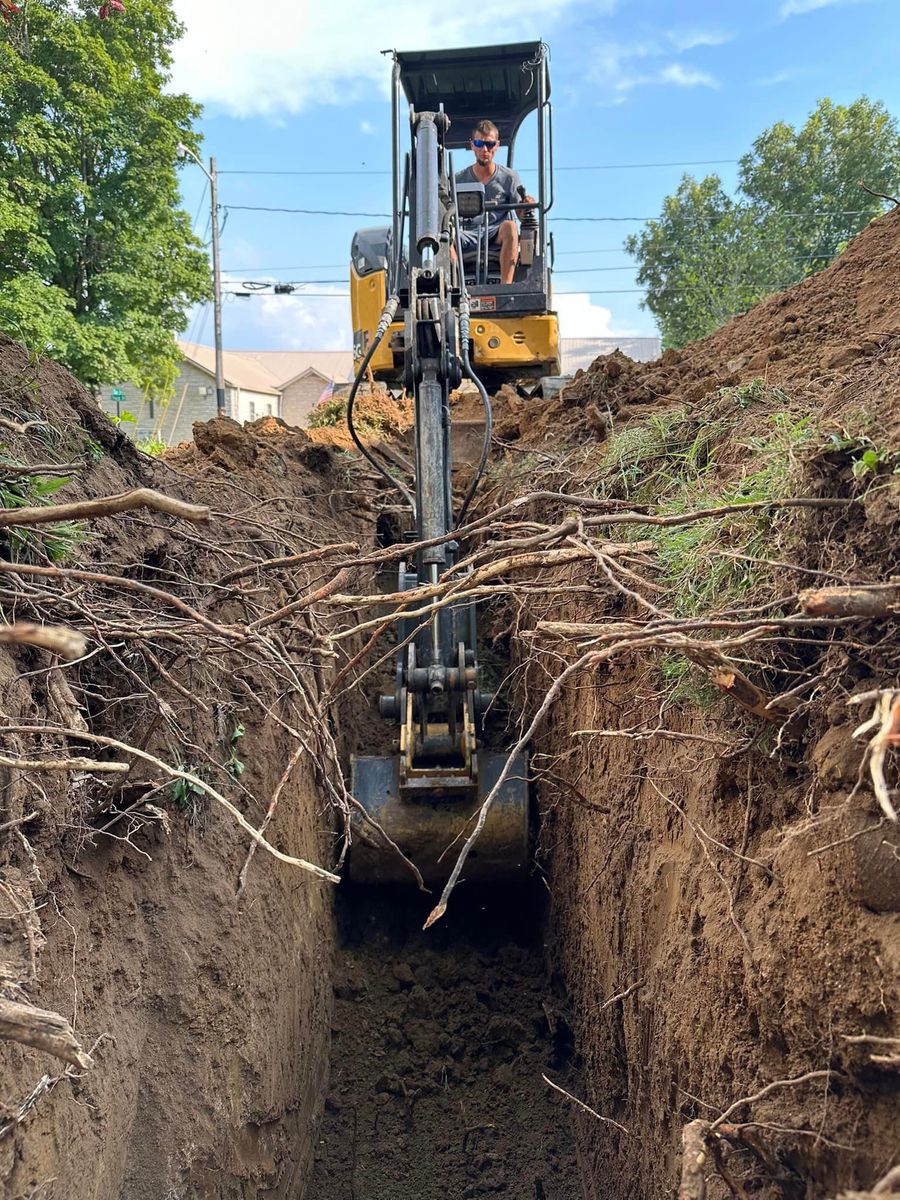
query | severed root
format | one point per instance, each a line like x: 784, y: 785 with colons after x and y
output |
x: 65, y: 642
x: 106, y: 506
x: 43, y: 1030
x: 886, y: 719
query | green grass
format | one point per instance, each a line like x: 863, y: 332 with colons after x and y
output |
x: 669, y: 463
x: 648, y: 458
x: 34, y: 545
x: 696, y: 562
x: 689, y: 687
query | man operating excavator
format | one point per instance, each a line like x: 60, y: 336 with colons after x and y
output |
x: 501, y: 186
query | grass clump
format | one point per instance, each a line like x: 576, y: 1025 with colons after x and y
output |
x: 42, y: 543
x: 648, y: 459
x: 710, y: 564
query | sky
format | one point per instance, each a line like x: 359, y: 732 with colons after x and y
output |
x: 643, y: 91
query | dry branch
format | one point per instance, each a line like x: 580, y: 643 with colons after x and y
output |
x: 43, y: 1030
x: 64, y: 764
x: 105, y: 506
x: 23, y: 427
x: 188, y: 777
x: 851, y: 601
x: 130, y: 585
x: 58, y: 638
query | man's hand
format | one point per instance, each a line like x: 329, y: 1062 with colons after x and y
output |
x: 522, y: 209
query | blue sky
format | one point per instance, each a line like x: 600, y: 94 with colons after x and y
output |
x: 291, y: 86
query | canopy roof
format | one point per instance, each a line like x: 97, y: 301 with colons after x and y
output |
x: 497, y: 82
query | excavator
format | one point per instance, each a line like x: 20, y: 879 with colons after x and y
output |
x: 427, y: 316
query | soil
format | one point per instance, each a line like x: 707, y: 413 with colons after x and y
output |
x: 207, y: 1011
x: 439, y: 1044
x: 731, y: 885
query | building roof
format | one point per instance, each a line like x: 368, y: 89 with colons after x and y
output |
x: 287, y: 365
x: 271, y: 370
x: 240, y: 371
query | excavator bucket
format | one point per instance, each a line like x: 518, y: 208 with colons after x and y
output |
x: 430, y: 827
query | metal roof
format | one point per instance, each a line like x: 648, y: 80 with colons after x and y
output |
x: 474, y: 82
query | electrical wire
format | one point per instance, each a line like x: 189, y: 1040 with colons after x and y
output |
x: 696, y: 162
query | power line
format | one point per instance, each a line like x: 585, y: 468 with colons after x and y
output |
x: 334, y: 212
x: 696, y: 162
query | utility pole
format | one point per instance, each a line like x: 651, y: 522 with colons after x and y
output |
x: 217, y: 289
x: 185, y: 152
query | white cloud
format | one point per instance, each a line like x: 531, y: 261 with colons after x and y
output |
x: 797, y: 8
x: 269, y: 322
x: 367, y: 128
x: 302, y: 53
x: 697, y: 37
x: 785, y: 76
x: 687, y: 76
x: 621, y: 68
x: 580, y: 318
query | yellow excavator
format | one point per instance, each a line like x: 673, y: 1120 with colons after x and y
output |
x: 426, y: 316
x: 515, y: 333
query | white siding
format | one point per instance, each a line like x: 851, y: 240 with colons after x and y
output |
x: 253, y: 405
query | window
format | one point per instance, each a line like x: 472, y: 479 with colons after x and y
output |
x: 269, y: 409
x: 252, y: 410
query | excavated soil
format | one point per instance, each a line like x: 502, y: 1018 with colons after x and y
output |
x: 439, y: 1046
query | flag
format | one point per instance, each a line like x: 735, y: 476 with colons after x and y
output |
x: 327, y: 393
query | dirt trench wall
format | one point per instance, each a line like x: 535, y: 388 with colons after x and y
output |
x: 730, y: 973
x: 725, y: 888
x: 206, y: 1012
x: 209, y: 1014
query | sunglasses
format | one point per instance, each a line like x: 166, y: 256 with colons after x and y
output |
x: 480, y: 144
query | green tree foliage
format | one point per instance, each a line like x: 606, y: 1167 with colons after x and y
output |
x: 97, y: 261
x: 709, y: 256
x: 706, y: 258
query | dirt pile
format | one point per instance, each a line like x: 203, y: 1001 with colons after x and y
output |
x: 377, y: 416
x: 820, y: 341
x: 202, y: 995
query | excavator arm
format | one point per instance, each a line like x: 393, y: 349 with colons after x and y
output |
x: 424, y: 795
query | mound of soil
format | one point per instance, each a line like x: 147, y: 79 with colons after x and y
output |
x: 377, y: 416
x: 813, y: 340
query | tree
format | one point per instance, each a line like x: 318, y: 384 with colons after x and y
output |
x: 709, y: 257
x: 98, y: 264
x: 706, y: 258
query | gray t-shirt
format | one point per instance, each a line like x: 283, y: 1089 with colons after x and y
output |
x: 501, y: 187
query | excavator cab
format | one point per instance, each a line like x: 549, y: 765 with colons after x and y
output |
x: 515, y: 335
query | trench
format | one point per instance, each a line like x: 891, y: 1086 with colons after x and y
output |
x: 439, y: 1042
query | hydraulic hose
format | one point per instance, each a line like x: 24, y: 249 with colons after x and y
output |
x: 381, y: 329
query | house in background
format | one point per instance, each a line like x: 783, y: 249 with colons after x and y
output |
x: 284, y: 383
x: 258, y: 383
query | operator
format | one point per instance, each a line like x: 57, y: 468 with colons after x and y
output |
x: 500, y: 186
